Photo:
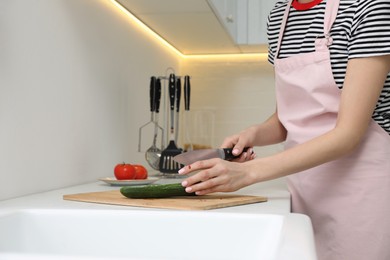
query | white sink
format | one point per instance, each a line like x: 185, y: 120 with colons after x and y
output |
x: 147, y: 234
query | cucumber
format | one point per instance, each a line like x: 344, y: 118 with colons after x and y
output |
x: 154, y: 191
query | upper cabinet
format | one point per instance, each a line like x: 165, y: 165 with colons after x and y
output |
x: 206, y: 26
x: 244, y: 20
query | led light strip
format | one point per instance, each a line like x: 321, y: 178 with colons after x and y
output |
x: 245, y: 56
x: 161, y: 40
x: 144, y: 27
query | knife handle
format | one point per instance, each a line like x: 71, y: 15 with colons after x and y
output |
x: 158, y: 95
x: 152, y: 94
x: 178, y: 94
x: 187, y: 92
x: 229, y: 153
x: 172, y: 88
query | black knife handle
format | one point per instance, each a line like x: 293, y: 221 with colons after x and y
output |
x: 171, y: 86
x: 152, y: 94
x: 187, y: 92
x: 229, y: 153
x: 178, y: 94
x: 158, y: 95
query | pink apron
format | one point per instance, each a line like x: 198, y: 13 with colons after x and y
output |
x: 348, y: 200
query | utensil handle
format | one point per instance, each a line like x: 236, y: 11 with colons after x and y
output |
x: 158, y: 95
x: 171, y: 86
x: 187, y: 92
x: 229, y: 153
x: 152, y: 94
x: 178, y: 94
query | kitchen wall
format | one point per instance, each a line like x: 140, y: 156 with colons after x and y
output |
x: 74, y: 79
x: 235, y: 92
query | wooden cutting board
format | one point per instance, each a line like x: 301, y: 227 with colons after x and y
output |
x: 114, y: 197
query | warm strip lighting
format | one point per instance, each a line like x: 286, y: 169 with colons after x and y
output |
x: 244, y: 56
x: 140, y: 24
x: 144, y: 27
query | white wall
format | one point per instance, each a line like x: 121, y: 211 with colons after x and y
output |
x: 74, y: 78
x: 239, y: 92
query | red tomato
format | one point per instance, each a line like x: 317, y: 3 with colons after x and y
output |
x: 124, y: 171
x: 140, y: 172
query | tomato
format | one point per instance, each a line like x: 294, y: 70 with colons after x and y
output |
x: 140, y: 172
x: 124, y: 171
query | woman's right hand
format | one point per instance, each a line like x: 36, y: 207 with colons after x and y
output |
x: 269, y: 132
x: 238, y: 142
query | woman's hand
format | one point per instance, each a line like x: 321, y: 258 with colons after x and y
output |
x: 216, y: 175
x: 219, y: 175
x: 239, y: 142
x: 267, y: 133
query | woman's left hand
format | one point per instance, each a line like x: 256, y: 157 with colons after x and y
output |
x: 216, y: 175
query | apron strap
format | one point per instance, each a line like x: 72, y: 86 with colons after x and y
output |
x: 332, y: 6
x: 283, y: 27
x: 331, y: 9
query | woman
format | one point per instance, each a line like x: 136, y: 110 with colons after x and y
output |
x: 332, y: 64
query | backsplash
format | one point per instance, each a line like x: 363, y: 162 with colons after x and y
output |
x: 237, y: 92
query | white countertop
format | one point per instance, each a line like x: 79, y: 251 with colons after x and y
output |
x: 278, y: 199
x: 297, y: 240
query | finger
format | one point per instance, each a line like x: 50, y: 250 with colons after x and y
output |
x: 229, y: 141
x: 209, y: 184
x: 245, y: 156
x: 204, y: 168
x: 207, y: 191
x: 216, y: 188
x: 216, y: 184
x: 198, y: 181
x: 196, y: 166
x: 185, y: 170
x: 253, y: 155
x: 239, y: 147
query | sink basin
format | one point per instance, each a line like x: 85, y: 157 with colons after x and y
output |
x: 139, y: 234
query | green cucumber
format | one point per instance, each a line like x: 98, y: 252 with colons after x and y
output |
x: 154, y: 191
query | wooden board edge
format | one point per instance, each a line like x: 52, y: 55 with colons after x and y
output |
x: 253, y: 199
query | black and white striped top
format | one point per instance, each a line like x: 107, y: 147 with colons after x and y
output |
x: 361, y: 29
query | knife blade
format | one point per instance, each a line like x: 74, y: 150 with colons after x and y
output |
x: 204, y: 154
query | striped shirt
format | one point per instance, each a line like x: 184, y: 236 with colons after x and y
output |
x: 361, y: 29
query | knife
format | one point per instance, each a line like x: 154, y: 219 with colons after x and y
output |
x: 204, y: 154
